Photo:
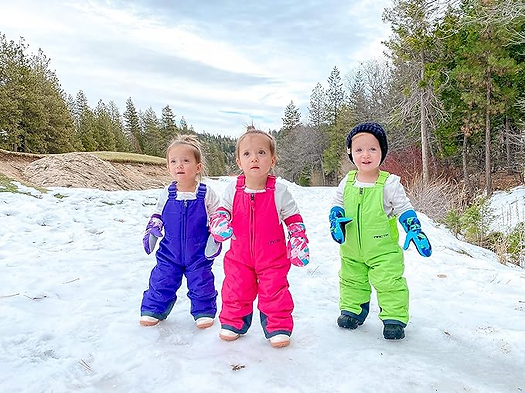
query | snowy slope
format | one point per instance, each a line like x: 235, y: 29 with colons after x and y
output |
x: 72, y: 273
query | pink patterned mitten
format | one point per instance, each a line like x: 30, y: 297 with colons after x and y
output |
x: 297, y: 247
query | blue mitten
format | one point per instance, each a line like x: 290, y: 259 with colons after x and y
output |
x: 153, y: 232
x: 338, y: 222
x: 412, y: 227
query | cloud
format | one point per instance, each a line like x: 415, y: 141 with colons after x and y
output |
x: 219, y: 64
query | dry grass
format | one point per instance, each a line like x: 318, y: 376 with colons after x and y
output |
x: 438, y: 197
x: 111, y: 156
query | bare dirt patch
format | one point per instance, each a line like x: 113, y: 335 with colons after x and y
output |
x: 82, y: 170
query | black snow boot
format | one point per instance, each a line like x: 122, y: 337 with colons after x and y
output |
x: 348, y: 322
x: 393, y: 332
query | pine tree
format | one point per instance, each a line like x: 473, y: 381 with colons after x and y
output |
x: 106, y: 139
x: 33, y: 112
x: 335, y: 97
x: 132, y: 127
x: 153, y: 143
x: 117, y: 127
x: 480, y: 70
x: 316, y: 110
x: 13, y: 71
x: 85, y: 123
x: 316, y: 118
x: 168, y: 126
x: 412, y: 44
x: 292, y: 117
x: 183, y: 125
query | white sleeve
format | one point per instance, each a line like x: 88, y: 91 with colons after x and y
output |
x: 163, y: 197
x: 284, y: 202
x: 211, y: 201
x: 227, y: 198
x: 395, y: 201
x: 338, y: 198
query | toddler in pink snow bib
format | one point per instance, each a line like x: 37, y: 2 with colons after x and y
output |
x: 257, y: 263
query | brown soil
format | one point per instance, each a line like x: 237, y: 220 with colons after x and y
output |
x: 83, y: 170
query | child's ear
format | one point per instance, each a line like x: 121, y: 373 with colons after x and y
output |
x: 199, y: 167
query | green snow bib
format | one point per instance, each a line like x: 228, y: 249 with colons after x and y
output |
x: 371, y: 254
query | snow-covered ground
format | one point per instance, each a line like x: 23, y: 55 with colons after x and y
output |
x: 72, y: 273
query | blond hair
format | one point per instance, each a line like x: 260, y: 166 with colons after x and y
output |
x: 251, y: 130
x: 195, y: 147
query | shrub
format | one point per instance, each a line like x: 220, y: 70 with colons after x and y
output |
x: 475, y: 222
x: 437, y: 198
x: 511, y: 249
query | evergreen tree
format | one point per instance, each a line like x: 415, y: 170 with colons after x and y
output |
x: 479, y: 89
x: 336, y: 148
x: 14, y: 70
x: 117, y: 127
x: 292, y: 117
x: 33, y: 113
x: 412, y: 44
x: 153, y: 142
x: 105, y: 135
x: 132, y: 127
x: 168, y: 126
x: 316, y: 119
x: 85, y: 123
x: 357, y: 99
x: 316, y: 110
x: 57, y: 130
x: 183, y: 125
x: 335, y: 97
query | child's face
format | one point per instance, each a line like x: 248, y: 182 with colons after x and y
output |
x: 366, y: 152
x: 255, y: 158
x: 183, y: 167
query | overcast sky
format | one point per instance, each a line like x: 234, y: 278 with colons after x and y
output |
x: 220, y: 64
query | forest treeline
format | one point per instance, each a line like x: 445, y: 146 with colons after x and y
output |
x: 450, y: 92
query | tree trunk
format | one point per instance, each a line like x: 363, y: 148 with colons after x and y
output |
x: 423, y: 119
x: 464, y: 162
x: 507, y: 144
x: 488, y: 175
x: 322, y: 172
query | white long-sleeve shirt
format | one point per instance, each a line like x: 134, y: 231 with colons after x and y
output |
x: 211, y: 200
x: 395, y: 201
x: 284, y: 202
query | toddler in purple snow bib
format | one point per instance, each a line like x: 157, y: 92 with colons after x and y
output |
x: 182, y: 211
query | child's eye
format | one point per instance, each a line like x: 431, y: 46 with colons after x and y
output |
x: 358, y: 150
x: 186, y: 160
x: 262, y: 152
x: 246, y: 154
x: 373, y: 149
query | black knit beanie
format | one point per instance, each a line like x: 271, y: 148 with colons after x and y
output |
x: 372, y: 128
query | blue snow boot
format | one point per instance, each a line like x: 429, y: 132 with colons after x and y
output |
x: 393, y: 332
x: 348, y: 322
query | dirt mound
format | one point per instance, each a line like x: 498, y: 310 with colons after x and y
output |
x: 85, y: 170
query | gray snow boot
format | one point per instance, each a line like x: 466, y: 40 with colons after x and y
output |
x: 393, y: 332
